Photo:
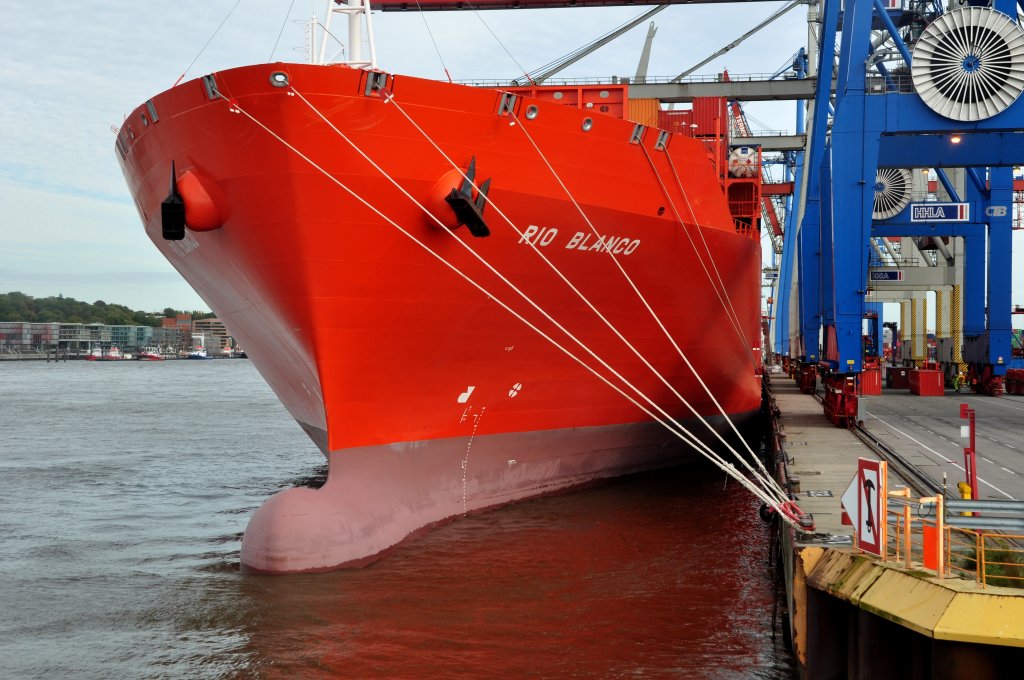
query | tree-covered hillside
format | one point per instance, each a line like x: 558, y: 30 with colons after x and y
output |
x: 20, y: 307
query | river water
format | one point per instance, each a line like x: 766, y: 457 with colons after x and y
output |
x: 125, y: 488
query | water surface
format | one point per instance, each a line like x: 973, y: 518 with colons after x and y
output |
x: 125, y: 488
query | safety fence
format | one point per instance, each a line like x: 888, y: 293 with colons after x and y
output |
x: 922, y: 535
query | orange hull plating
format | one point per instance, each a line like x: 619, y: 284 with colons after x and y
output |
x: 375, y: 345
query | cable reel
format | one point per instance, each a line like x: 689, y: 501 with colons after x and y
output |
x: 892, y: 192
x: 968, y: 64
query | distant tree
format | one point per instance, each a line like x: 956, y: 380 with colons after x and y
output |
x: 17, y: 306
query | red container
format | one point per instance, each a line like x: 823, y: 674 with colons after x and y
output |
x: 927, y: 382
x: 710, y: 117
x: 899, y: 378
x: 676, y: 122
x: 871, y: 382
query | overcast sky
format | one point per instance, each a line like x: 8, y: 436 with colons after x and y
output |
x: 72, y: 71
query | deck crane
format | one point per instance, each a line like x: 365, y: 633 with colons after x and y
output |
x: 645, y: 55
x: 539, y: 75
x: 775, y: 15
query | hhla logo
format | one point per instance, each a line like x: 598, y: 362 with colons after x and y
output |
x: 940, y: 212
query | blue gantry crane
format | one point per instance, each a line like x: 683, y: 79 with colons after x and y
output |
x: 913, y: 85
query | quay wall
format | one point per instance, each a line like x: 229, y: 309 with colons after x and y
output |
x: 854, y: 616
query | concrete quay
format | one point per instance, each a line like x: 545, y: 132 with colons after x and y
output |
x: 853, y: 615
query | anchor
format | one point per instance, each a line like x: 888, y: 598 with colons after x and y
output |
x: 172, y: 212
x: 869, y: 486
x: 467, y: 210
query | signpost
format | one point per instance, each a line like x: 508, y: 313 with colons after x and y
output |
x: 970, y: 454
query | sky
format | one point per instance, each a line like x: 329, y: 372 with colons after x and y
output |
x: 67, y: 223
x: 72, y: 71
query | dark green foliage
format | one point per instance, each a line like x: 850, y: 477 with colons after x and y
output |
x: 20, y: 307
x: 1004, y: 560
x: 1004, y: 563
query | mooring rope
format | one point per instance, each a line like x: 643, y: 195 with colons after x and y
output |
x: 720, y: 292
x: 723, y: 296
x: 784, y: 506
x: 770, y: 485
x: 654, y: 315
x: 766, y: 480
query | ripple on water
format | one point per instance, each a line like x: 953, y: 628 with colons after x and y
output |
x: 126, y: 492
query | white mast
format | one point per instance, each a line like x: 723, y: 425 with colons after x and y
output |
x: 357, y: 12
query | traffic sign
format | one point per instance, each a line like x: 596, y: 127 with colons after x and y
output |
x: 848, y: 503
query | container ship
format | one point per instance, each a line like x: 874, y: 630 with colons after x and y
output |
x: 465, y: 296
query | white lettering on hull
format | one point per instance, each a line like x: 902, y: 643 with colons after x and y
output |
x: 619, y: 245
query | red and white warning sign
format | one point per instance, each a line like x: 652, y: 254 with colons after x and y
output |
x: 872, y: 492
x: 864, y: 504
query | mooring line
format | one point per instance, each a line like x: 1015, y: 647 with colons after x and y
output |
x: 654, y: 315
x: 766, y: 481
x: 675, y: 427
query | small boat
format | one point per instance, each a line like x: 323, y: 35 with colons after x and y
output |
x: 149, y: 354
x: 94, y: 354
x: 112, y: 354
x: 198, y: 353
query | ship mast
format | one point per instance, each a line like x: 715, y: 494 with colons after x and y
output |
x: 357, y: 12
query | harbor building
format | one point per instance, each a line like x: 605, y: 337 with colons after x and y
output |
x: 215, y: 335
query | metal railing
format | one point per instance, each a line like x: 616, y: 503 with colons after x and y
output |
x: 615, y: 80
x: 897, y: 83
x: 929, y: 534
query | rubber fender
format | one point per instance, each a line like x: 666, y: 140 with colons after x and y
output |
x: 202, y: 207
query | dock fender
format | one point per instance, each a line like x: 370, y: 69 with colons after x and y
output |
x: 203, y: 200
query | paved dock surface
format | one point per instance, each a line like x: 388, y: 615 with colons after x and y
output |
x: 926, y: 431
x: 823, y: 456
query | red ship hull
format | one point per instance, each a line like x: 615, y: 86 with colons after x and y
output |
x: 430, y: 398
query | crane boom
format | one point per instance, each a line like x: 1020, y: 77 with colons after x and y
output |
x: 431, y: 5
x: 544, y: 72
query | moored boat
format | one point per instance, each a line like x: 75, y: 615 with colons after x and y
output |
x: 112, y: 354
x: 465, y: 297
x: 149, y: 354
x: 198, y: 353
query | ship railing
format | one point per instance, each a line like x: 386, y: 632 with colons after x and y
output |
x: 738, y: 140
x: 896, y: 83
x: 743, y: 228
x: 623, y: 80
x: 988, y: 556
